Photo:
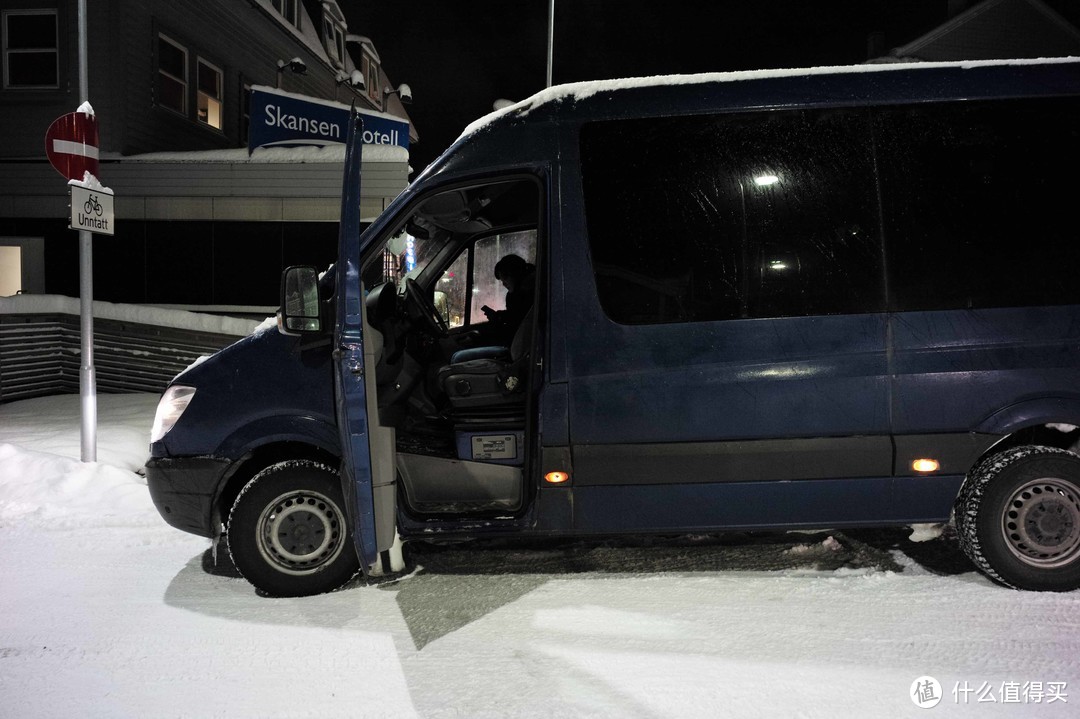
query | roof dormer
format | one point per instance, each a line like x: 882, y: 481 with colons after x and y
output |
x: 334, y: 30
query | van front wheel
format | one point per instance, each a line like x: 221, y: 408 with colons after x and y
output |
x: 1018, y: 518
x: 288, y: 532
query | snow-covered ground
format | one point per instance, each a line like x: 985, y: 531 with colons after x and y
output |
x: 107, y: 612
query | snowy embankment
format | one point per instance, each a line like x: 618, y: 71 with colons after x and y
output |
x: 42, y: 482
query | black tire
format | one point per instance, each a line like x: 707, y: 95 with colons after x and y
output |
x: 1018, y: 518
x: 288, y: 531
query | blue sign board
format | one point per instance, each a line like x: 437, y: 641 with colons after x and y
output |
x: 283, y: 119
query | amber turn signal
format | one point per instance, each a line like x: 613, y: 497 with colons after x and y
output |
x: 925, y: 465
x: 556, y: 477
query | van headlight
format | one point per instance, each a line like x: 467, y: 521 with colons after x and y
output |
x: 172, y: 405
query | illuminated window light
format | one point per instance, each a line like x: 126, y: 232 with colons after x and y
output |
x: 925, y: 465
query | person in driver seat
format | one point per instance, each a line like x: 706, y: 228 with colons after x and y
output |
x: 519, y: 279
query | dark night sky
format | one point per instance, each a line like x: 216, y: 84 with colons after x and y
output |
x: 459, y: 56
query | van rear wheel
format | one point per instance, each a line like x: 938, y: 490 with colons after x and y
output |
x: 288, y: 532
x: 1018, y: 518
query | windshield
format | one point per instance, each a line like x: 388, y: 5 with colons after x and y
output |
x: 403, y: 257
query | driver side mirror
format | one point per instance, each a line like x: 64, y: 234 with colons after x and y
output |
x: 300, y: 305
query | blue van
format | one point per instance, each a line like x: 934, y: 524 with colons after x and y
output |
x: 841, y: 297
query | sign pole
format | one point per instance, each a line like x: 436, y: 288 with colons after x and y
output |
x: 87, y: 379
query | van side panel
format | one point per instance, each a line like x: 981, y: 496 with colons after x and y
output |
x: 752, y: 505
x: 959, y: 369
x: 745, y: 379
x: 726, y: 297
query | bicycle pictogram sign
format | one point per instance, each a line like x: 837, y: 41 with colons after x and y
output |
x: 92, y: 205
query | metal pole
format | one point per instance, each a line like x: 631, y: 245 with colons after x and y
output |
x: 87, y: 380
x: 551, y: 39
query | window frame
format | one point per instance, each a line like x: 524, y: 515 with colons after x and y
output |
x: 285, y: 8
x: 371, y: 76
x: 185, y: 81
x: 334, y: 39
x: 220, y: 127
x: 19, y: 51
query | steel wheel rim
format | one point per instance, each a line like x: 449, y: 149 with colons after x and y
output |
x: 1041, y: 523
x: 300, y: 532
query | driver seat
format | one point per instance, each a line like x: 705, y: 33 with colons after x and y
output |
x: 491, y: 386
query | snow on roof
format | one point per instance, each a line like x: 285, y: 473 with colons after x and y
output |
x: 327, y: 103
x: 334, y: 153
x: 139, y: 314
x: 582, y: 90
x: 366, y: 42
x: 308, y: 35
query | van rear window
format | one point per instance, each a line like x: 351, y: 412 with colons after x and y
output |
x: 790, y: 213
x: 980, y: 203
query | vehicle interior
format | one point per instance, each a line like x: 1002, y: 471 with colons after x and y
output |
x: 455, y: 352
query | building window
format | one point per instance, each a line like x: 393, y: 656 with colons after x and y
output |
x: 209, y: 96
x: 31, y: 55
x: 371, y: 73
x: 288, y: 9
x: 172, y: 75
x: 335, y: 41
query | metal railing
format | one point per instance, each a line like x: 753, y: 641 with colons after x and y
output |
x: 39, y: 354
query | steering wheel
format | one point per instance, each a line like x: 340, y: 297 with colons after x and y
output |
x: 419, y: 306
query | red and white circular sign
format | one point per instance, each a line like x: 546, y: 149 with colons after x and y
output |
x: 71, y: 144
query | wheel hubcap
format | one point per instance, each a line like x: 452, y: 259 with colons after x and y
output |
x: 1041, y: 524
x: 300, y: 532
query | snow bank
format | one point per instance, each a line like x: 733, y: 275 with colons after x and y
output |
x: 42, y: 489
x: 42, y: 483
x: 140, y: 314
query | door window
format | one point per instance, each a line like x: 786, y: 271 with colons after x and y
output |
x: 464, y: 232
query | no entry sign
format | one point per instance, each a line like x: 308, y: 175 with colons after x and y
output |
x: 71, y: 144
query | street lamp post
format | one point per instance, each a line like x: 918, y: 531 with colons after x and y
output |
x: 551, y: 39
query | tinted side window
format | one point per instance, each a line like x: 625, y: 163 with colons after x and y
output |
x: 769, y: 214
x: 979, y: 203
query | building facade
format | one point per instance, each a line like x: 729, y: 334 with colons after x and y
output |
x: 199, y: 222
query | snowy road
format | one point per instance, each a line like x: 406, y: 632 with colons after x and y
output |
x: 107, y: 612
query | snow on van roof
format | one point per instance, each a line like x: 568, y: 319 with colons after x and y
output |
x: 582, y: 90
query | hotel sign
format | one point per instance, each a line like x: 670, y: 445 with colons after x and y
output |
x: 285, y: 119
